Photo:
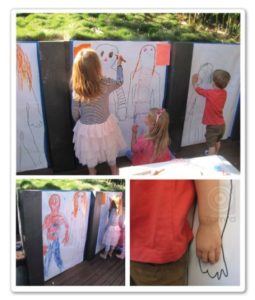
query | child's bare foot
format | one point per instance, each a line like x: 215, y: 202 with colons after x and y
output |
x: 103, y: 255
x: 120, y: 256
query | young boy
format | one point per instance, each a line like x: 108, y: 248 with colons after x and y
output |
x: 213, y: 113
x: 160, y: 233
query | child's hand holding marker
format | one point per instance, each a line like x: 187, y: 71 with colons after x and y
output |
x: 120, y: 59
x: 194, y: 79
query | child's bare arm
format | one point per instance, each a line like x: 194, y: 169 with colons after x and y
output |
x: 134, y: 135
x: 208, y: 238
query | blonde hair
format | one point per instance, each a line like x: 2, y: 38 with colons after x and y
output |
x: 86, y: 75
x: 159, y: 132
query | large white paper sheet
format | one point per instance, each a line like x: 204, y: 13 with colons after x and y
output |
x: 206, y: 59
x: 30, y: 126
x: 64, y: 227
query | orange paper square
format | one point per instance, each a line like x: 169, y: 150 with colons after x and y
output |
x: 163, y: 54
x: 80, y: 47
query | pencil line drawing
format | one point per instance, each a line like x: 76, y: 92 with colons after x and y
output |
x: 196, y: 104
x: 108, y: 57
x: 30, y: 129
x: 220, y: 268
x: 144, y: 84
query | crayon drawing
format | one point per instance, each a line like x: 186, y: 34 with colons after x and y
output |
x: 144, y: 80
x: 206, y: 59
x: 64, y: 230
x: 30, y: 127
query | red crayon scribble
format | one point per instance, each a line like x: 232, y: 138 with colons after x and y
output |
x: 23, y: 69
x: 83, y: 202
x: 54, y: 220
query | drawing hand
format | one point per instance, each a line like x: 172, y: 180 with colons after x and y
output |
x: 120, y: 59
x: 135, y: 128
x: 208, y: 242
x: 194, y: 79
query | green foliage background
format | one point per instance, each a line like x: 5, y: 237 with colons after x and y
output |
x: 198, y: 27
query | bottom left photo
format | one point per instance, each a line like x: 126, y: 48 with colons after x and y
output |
x: 70, y: 232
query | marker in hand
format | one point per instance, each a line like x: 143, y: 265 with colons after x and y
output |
x: 120, y: 58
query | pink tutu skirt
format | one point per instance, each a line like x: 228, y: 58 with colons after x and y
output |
x: 111, y: 236
x: 98, y: 143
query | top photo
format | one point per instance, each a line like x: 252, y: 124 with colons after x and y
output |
x: 128, y: 94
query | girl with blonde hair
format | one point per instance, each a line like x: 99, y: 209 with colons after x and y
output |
x: 97, y: 136
x: 153, y: 146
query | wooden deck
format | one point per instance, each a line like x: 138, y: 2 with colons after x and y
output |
x: 97, y: 271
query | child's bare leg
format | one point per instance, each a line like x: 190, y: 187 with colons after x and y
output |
x: 217, y: 147
x: 106, y: 252
x: 111, y: 251
x: 92, y: 171
x: 114, y: 169
x: 212, y: 150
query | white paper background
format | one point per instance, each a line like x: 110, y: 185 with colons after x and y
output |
x: 225, y: 271
x: 152, y: 87
x: 217, y: 56
x: 30, y: 126
x: 71, y: 253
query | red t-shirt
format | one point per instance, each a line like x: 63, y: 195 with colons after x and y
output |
x: 159, y: 229
x: 143, y: 150
x: 215, y: 101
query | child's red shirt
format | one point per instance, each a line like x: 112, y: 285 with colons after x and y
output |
x: 143, y: 150
x: 159, y: 229
x: 215, y: 101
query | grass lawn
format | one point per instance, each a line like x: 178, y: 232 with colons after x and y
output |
x: 71, y: 184
x: 100, y: 26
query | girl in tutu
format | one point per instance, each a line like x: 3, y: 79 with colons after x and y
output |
x: 113, y: 230
x: 153, y: 146
x: 97, y: 136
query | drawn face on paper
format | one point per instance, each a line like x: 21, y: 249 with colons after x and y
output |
x: 54, y: 203
x: 205, y: 74
x: 147, y: 56
x: 107, y: 54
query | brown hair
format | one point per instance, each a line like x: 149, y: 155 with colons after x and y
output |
x: 159, y: 132
x: 86, y: 75
x: 221, y: 78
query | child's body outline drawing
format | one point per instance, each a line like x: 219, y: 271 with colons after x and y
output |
x: 144, y: 85
x: 51, y: 230
x: 34, y: 120
x: 109, y: 64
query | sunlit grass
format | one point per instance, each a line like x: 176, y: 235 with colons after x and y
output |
x: 172, y: 27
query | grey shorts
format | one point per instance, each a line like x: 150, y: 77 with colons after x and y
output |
x: 214, y: 134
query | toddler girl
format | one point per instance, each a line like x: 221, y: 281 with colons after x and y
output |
x: 97, y: 136
x: 153, y: 146
x: 113, y: 230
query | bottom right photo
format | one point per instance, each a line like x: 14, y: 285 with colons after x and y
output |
x: 184, y: 232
